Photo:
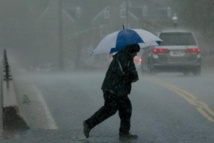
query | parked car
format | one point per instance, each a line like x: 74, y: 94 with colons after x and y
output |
x: 179, y: 52
x: 47, y: 67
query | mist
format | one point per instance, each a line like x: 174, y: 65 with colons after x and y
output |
x: 64, y: 33
x: 58, y: 82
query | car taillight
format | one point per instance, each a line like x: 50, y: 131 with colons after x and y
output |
x: 160, y: 50
x: 193, y: 50
x: 138, y: 60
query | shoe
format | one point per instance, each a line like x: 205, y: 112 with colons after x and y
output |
x: 127, y: 136
x: 86, y: 129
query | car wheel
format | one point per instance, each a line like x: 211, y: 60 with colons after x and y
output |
x: 152, y: 71
x: 151, y: 68
x: 197, y: 71
x: 185, y: 73
x: 145, y: 68
x: 143, y: 72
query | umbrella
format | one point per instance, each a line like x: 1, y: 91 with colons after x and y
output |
x: 120, y: 39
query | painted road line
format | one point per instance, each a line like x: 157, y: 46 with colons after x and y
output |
x: 205, y: 114
x: 37, y: 112
x: 48, y: 119
x: 201, y: 107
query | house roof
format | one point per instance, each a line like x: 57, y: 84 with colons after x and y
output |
x: 90, y: 11
x: 100, y: 14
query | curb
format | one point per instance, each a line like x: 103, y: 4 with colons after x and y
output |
x: 11, y: 115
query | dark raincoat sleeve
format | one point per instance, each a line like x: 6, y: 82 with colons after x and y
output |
x: 132, y: 72
x: 128, y: 68
x: 121, y: 62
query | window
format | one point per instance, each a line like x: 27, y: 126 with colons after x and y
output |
x: 177, y: 38
x: 106, y: 14
x: 122, y: 13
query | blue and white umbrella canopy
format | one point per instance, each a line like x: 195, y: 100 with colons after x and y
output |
x: 120, y: 39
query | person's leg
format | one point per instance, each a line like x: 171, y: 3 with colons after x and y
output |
x: 125, y: 112
x: 110, y: 108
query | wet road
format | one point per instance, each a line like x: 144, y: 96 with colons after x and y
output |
x: 167, y: 108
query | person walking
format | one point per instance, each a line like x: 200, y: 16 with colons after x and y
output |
x: 116, y: 87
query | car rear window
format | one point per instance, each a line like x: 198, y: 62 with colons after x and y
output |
x: 177, y: 38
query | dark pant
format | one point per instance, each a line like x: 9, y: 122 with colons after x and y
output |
x: 113, y: 103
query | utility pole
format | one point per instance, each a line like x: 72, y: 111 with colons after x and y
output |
x: 127, y: 14
x: 60, y: 33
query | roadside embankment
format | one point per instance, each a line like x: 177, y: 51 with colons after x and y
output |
x: 33, y: 107
x: 22, y: 104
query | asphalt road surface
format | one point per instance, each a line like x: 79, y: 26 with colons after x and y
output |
x: 167, y: 108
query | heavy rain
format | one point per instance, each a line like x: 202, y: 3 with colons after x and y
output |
x: 51, y: 77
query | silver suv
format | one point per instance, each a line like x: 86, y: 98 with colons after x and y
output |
x: 178, y: 52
